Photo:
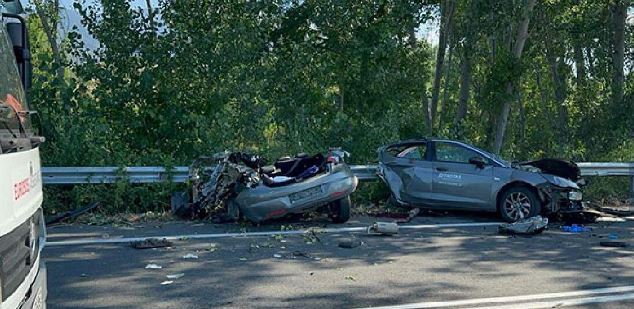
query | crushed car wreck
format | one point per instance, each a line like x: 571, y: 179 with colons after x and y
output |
x: 445, y: 174
x: 243, y: 185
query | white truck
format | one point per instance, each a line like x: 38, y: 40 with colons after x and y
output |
x: 22, y: 233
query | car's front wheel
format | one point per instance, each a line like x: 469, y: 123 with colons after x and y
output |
x: 518, y: 203
x: 340, y: 210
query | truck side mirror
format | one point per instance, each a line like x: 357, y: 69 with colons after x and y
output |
x: 18, y: 34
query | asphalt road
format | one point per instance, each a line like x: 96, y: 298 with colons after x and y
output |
x: 428, y: 267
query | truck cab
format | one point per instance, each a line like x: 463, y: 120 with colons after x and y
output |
x: 22, y: 233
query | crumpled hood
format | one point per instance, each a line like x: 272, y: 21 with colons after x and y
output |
x: 561, y: 168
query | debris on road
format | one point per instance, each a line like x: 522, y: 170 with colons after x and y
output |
x: 72, y: 214
x: 175, y: 276
x: 349, y: 243
x: 575, y: 228
x: 153, y: 266
x: 190, y: 256
x: 151, y: 243
x: 242, y: 259
x: 383, y: 228
x: 617, y: 244
x: 212, y: 247
x: 528, y: 226
x: 166, y: 282
x: 351, y: 278
x: 398, y: 217
x: 580, y: 216
x: 277, y: 256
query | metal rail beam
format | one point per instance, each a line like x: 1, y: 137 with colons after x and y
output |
x: 154, y: 174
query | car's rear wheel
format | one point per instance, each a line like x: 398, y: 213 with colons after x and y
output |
x: 340, y: 210
x: 518, y: 203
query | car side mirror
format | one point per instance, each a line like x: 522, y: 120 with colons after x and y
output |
x: 477, y: 161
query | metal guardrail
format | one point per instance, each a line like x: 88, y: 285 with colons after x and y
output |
x: 606, y: 168
x: 153, y: 174
x: 144, y: 174
x: 109, y: 174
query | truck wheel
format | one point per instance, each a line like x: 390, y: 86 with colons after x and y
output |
x: 517, y: 203
x: 340, y: 210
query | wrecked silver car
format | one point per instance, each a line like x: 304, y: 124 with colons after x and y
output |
x: 243, y: 185
x: 446, y: 174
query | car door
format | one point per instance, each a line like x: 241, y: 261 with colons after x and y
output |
x: 456, y: 183
x: 408, y: 172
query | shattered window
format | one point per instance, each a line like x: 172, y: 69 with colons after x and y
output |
x: 11, y: 94
x: 448, y: 152
x: 413, y: 152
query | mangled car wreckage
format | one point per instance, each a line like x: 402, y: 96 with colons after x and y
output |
x: 445, y: 174
x: 243, y: 185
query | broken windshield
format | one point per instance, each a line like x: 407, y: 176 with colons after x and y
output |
x: 12, y: 99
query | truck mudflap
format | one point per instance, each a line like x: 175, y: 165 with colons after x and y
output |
x: 36, y: 296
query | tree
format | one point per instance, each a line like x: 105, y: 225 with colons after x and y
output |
x: 518, y: 47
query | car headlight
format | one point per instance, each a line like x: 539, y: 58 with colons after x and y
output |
x: 560, y: 181
x: 575, y: 196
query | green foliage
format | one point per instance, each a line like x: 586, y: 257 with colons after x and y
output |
x: 170, y: 83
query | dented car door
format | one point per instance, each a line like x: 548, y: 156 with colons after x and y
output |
x: 457, y: 183
x: 407, y: 170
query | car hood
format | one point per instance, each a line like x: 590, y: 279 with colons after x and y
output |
x: 556, y: 167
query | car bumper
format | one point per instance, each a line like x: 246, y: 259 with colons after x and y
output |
x: 38, y: 292
x: 279, y: 206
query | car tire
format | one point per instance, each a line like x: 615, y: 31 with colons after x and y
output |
x: 340, y: 210
x: 517, y: 203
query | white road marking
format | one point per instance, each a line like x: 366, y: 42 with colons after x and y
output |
x: 267, y: 233
x: 566, y: 302
x: 524, y: 298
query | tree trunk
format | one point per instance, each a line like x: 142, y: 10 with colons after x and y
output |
x: 580, y: 64
x: 559, y: 88
x: 502, y: 120
x: 446, y: 15
x: 49, y: 25
x: 445, y: 91
x: 618, y: 12
x: 465, y: 72
x: 465, y: 85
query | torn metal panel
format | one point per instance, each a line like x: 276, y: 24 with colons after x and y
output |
x: 243, y: 185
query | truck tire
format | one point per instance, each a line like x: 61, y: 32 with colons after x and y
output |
x: 517, y: 203
x: 340, y: 210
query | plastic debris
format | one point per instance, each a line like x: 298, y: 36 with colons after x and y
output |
x: 528, y: 226
x: 166, y: 282
x: 153, y: 266
x: 383, y: 228
x: 190, y: 256
x: 150, y: 243
x: 617, y: 244
x: 277, y: 256
x: 212, y: 247
x: 175, y: 276
x: 575, y: 228
x: 350, y: 243
x: 242, y: 259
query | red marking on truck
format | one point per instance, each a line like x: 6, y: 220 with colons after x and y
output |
x: 21, y: 188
